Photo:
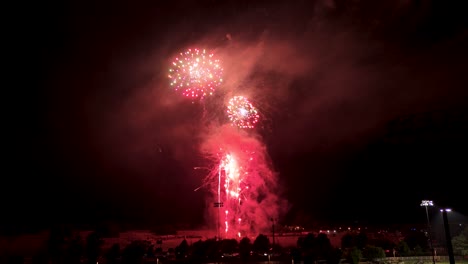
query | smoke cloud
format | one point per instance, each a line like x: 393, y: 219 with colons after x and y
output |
x: 324, y: 76
x: 242, y: 177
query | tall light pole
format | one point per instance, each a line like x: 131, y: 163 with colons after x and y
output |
x: 427, y: 203
x: 273, y: 230
x: 218, y: 204
x: 447, y: 235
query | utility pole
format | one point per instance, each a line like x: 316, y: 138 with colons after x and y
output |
x: 273, y: 230
x: 218, y: 205
x: 448, y: 236
x: 427, y: 203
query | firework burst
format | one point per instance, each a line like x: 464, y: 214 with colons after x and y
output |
x: 196, y: 73
x: 241, y: 112
x: 242, y: 182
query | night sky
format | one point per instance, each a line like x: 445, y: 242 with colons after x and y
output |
x: 95, y: 133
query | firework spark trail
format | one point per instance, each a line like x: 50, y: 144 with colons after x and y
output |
x: 197, y: 73
x: 243, y: 181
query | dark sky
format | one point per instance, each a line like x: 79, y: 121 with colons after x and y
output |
x: 95, y: 133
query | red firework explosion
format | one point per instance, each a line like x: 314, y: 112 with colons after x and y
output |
x: 242, y: 113
x: 196, y: 73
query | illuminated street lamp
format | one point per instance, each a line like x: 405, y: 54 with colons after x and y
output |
x: 447, y: 235
x: 427, y: 203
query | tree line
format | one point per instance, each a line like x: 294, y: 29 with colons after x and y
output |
x: 66, y: 247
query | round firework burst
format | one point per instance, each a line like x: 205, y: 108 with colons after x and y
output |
x: 241, y: 112
x: 196, y: 73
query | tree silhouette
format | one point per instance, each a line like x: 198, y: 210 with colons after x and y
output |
x: 93, y: 247
x: 182, y: 249
x: 75, y: 251
x: 199, y: 251
x: 417, y: 238
x: 382, y: 242
x: 57, y: 243
x: 40, y: 258
x: 347, y: 241
x: 323, y: 246
x: 212, y: 250
x: 308, y: 247
x: 353, y: 255
x: 403, y: 249
x: 133, y: 253
x: 113, y: 253
x: 261, y: 244
x: 372, y: 252
x: 334, y: 256
x: 14, y: 259
x: 323, y: 242
x: 361, y: 240
x: 245, y: 246
x: 229, y: 245
x: 308, y: 242
x: 296, y: 254
x: 150, y: 251
x: 460, y: 243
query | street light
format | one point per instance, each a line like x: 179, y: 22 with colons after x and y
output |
x: 427, y: 203
x: 447, y: 235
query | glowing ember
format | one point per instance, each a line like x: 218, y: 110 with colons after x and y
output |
x: 196, y: 73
